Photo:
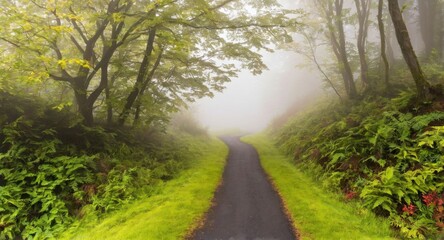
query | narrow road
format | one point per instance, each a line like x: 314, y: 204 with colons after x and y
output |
x: 246, y: 205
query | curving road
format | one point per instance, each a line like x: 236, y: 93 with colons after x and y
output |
x: 246, y: 205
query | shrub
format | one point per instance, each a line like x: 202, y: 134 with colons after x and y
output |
x: 380, y: 150
x: 53, y: 169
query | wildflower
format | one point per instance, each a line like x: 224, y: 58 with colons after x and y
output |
x: 350, y: 195
x: 409, y: 209
x: 430, y: 198
x: 439, y: 202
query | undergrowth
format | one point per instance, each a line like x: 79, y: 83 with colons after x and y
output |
x: 384, y: 152
x: 54, y: 169
x: 171, y: 211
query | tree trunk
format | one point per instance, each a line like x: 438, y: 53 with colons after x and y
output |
x: 109, y: 106
x: 389, y: 41
x: 347, y: 72
x: 440, y: 29
x: 332, y: 11
x: 143, y: 69
x: 312, y: 57
x: 363, y: 10
x: 84, y: 107
x: 144, y: 87
x: 383, y: 46
x: 427, y: 21
x: 422, y: 86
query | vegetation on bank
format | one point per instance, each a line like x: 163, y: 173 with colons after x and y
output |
x: 55, y: 170
x: 387, y: 153
x: 317, y: 213
x: 172, y: 211
x: 383, y: 143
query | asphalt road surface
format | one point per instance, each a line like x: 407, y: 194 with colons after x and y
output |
x: 245, y: 206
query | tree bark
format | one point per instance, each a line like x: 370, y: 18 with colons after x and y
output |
x: 363, y: 10
x: 144, y: 87
x: 348, y: 74
x: 428, y: 10
x: 383, y: 46
x: 81, y: 82
x: 389, y: 41
x: 332, y: 11
x: 109, y: 106
x: 441, y: 30
x: 143, y: 69
x: 422, y: 86
x: 84, y: 107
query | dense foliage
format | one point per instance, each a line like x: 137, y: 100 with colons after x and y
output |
x: 68, y: 67
x: 382, y: 143
x: 54, y: 169
x: 382, y: 151
x: 121, y: 60
x: 74, y: 75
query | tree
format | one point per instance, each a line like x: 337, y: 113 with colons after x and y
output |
x: 383, y: 45
x: 430, y: 21
x: 309, y: 49
x: 102, y: 46
x: 73, y: 42
x: 332, y: 12
x: 194, y: 67
x: 402, y: 34
x: 363, y: 10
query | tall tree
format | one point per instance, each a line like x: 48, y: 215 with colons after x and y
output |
x: 333, y: 13
x: 390, y: 39
x: 76, y: 43
x: 141, y: 76
x: 308, y: 50
x: 402, y: 34
x: 383, y: 45
x: 180, y: 37
x: 72, y: 42
x: 363, y: 10
x: 430, y: 24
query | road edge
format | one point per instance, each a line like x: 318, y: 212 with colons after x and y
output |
x: 284, y: 206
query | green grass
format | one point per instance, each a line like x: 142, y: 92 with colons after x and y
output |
x: 317, y: 213
x: 176, y: 209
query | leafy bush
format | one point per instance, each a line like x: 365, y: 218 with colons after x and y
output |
x: 53, y: 169
x: 115, y: 192
x: 380, y: 151
x: 39, y: 187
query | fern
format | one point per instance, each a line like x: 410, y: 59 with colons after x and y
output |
x: 391, y: 157
x: 422, y: 121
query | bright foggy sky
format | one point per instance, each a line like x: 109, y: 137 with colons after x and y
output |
x: 250, y: 102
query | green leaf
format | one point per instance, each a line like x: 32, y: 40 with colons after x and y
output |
x: 379, y: 201
x: 389, y: 173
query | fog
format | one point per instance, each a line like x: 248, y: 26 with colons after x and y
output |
x: 249, y: 103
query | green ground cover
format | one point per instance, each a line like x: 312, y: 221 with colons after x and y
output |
x: 172, y: 212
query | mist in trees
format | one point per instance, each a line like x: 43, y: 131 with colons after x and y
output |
x: 119, y: 59
x: 94, y: 94
x: 353, y: 48
x: 134, y: 63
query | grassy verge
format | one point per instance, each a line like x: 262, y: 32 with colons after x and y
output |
x: 317, y: 214
x: 172, y: 212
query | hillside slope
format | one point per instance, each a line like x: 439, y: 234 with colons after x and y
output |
x: 387, y: 153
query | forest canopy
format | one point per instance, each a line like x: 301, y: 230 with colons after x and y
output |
x: 122, y: 59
